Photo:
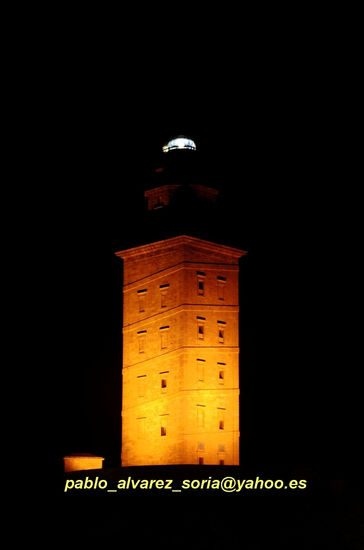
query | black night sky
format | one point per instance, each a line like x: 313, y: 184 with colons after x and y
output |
x: 273, y: 203
x: 267, y: 139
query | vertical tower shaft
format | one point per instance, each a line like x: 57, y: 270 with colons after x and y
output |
x: 180, y: 395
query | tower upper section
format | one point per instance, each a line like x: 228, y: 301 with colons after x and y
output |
x: 181, y: 197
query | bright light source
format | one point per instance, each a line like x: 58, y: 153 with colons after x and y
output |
x: 179, y: 142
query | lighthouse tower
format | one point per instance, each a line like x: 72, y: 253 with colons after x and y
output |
x: 180, y: 372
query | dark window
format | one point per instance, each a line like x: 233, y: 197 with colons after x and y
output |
x: 201, y: 416
x: 200, y: 283
x: 200, y: 460
x: 141, y: 296
x: 201, y: 327
x: 164, y: 336
x: 141, y: 338
x: 164, y: 289
x: 221, y: 287
x: 201, y: 369
x: 141, y: 385
x: 221, y: 330
x: 163, y: 430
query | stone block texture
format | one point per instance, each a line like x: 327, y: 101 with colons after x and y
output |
x: 180, y: 372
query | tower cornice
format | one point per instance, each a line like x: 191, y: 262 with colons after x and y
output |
x: 163, y: 245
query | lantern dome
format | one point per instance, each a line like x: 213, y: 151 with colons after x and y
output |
x: 179, y: 142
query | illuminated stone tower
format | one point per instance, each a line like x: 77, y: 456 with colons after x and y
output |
x: 180, y: 395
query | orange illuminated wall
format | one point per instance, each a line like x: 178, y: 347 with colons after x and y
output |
x: 180, y: 398
x: 84, y: 461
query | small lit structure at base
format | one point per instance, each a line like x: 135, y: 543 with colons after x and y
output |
x: 82, y: 461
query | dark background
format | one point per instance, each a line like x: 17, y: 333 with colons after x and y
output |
x: 269, y: 135
x: 275, y: 173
